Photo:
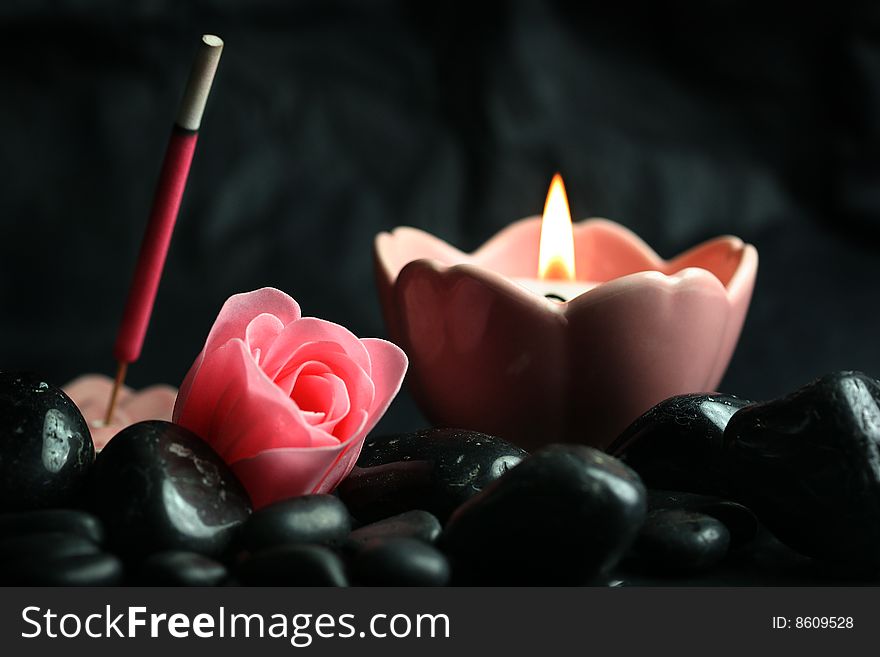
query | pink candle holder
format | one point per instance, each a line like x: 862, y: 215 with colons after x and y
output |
x: 90, y: 393
x: 490, y: 355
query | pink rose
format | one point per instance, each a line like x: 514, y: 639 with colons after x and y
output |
x: 286, y: 400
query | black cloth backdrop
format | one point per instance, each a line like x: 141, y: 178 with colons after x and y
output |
x: 331, y: 121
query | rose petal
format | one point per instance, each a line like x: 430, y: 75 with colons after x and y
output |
x: 358, y: 386
x: 334, y: 407
x: 357, y: 382
x: 360, y: 391
x: 287, y: 378
x: 239, y: 411
x: 232, y: 321
x: 345, y: 462
x: 194, y: 411
x: 186, y: 387
x: 340, y: 404
x: 311, y: 330
x: 314, y: 393
x: 287, y: 406
x: 240, y: 309
x: 277, y: 474
x: 313, y: 418
x: 389, y: 364
x: 261, y: 331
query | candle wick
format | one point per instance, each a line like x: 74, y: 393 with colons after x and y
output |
x: 554, y: 297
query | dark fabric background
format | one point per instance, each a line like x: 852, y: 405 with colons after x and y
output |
x: 331, y: 121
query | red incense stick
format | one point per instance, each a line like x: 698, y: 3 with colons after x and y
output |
x: 166, y: 204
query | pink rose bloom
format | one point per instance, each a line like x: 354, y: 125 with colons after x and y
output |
x: 286, y: 400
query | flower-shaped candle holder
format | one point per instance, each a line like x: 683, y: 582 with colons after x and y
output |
x: 489, y: 354
x: 90, y: 393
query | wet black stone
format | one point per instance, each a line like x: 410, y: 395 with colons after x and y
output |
x: 177, y: 568
x: 433, y: 469
x: 809, y: 466
x: 738, y: 519
x: 316, y: 519
x: 415, y: 524
x: 46, y: 448
x: 97, y: 569
x: 677, y: 444
x: 562, y: 517
x: 675, y: 540
x: 52, y: 520
x: 293, y: 565
x: 763, y: 562
x: 45, y: 545
x: 400, y: 561
x: 157, y: 486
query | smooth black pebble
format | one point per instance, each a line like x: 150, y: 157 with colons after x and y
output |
x: 563, y: 516
x: 71, y: 521
x: 157, y: 486
x: 46, y: 448
x: 47, y: 545
x: 316, y: 519
x: 809, y: 466
x: 675, y: 541
x: 400, y: 561
x: 417, y: 524
x: 177, y: 568
x: 678, y: 444
x: 293, y: 565
x: 434, y: 469
x: 97, y: 569
x: 739, y: 520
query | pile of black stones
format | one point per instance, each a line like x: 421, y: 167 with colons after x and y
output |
x: 702, y: 489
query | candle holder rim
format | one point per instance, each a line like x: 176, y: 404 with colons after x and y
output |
x: 740, y: 273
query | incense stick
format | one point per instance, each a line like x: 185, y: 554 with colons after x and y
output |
x: 166, y: 205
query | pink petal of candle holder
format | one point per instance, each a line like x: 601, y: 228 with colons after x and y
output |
x: 91, y: 392
x: 489, y: 355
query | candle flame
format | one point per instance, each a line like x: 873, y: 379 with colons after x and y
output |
x: 556, y: 251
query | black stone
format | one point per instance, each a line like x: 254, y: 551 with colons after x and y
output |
x: 675, y: 540
x: 739, y: 520
x: 678, y: 443
x: 809, y: 466
x: 47, y: 545
x: 157, y: 486
x: 52, y: 520
x: 400, y: 561
x: 434, y: 469
x: 316, y: 519
x: 176, y: 568
x: 562, y: 517
x: 293, y: 565
x: 415, y: 524
x: 97, y: 569
x: 46, y: 448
